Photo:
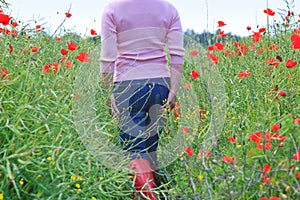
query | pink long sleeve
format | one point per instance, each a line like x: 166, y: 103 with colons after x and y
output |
x: 134, y: 35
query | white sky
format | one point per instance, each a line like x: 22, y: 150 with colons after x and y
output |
x: 237, y: 14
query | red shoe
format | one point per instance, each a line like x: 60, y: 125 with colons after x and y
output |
x: 143, y: 179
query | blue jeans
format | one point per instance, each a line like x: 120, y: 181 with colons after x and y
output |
x: 140, y: 121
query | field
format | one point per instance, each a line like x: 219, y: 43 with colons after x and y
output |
x: 234, y: 133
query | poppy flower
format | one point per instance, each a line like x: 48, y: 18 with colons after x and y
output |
x: 271, y: 61
x: 269, y: 12
x: 262, y: 146
x: 93, y: 32
x: 273, y: 47
x: 46, y: 69
x: 14, y: 24
x: 83, y: 57
x: 290, y: 63
x: 218, y: 46
x: 298, y: 175
x: 256, y: 36
x: 282, y: 93
x: 276, y: 127
x: 64, y: 52
x: 38, y: 28
x: 34, y: 49
x: 228, y: 159
x: 279, y: 137
x: 232, y: 139
x: 68, y: 64
x: 262, y: 30
x: 212, y: 57
x: 194, y: 53
x: 297, y: 155
x: 221, y: 34
x: 72, y: 46
x: 4, y: 72
x: 279, y: 58
x: 189, y: 151
x: 194, y: 74
x: 221, y: 23
x: 4, y: 19
x: 184, y: 129
x: 256, y: 137
x: 297, y: 121
x: 58, y: 39
x: 68, y: 14
x: 11, y: 48
x: 295, y: 41
x: 244, y: 73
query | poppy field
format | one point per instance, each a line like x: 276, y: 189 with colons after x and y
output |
x: 44, y: 108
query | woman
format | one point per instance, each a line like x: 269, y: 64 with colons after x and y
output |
x: 135, y: 34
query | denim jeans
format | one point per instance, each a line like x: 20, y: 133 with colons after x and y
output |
x: 140, y: 121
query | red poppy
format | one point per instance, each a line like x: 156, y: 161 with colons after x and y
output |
x: 297, y: 155
x: 64, y: 52
x: 68, y: 64
x: 256, y: 36
x: 276, y: 127
x: 244, y: 73
x: 218, y: 46
x: 261, y: 145
x: 273, y: 47
x: 189, y: 151
x: 184, y: 129
x: 4, y: 72
x: 279, y: 137
x: 4, y: 19
x: 210, y: 48
x: 194, y: 74
x: 232, y: 139
x: 93, y: 32
x: 262, y: 30
x: 291, y: 63
x: 72, y: 46
x: 68, y: 14
x: 271, y: 61
x: 282, y: 93
x: 83, y: 57
x: 295, y: 41
x: 228, y: 159
x: 222, y: 34
x: 297, y: 121
x: 212, y: 57
x: 279, y: 58
x: 221, y: 23
x: 38, y: 28
x: 298, y: 175
x: 269, y: 12
x: 256, y: 137
x: 194, y: 53
x: 55, y: 67
x: 58, y: 39
x: 14, y: 24
x: 34, y: 49
x: 11, y: 48
x: 46, y: 69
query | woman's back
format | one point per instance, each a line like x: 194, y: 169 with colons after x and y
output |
x: 134, y: 33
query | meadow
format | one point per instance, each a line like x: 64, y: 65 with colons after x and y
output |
x: 233, y: 134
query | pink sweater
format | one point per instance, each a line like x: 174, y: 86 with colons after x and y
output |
x: 134, y: 35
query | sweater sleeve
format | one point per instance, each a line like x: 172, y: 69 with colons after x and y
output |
x: 108, y: 41
x: 175, y: 40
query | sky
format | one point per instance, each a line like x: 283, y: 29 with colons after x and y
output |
x: 199, y: 15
